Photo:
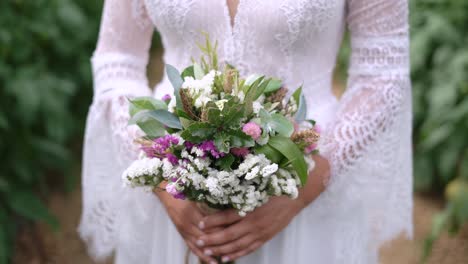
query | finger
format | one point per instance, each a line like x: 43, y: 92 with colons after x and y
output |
x: 199, y: 253
x: 196, y: 215
x: 192, y: 230
x: 222, y: 218
x: 251, y: 248
x: 226, y: 235
x: 231, y: 247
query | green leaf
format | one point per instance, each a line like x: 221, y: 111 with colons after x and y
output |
x: 182, y: 114
x: 198, y: 132
x: 273, y: 85
x: 176, y: 81
x: 145, y: 103
x: 301, y: 105
x: 295, y: 157
x: 221, y: 141
x: 30, y: 206
x: 225, y: 162
x: 188, y: 72
x: 152, y: 128
x: 240, y: 139
x: 271, y: 153
x: 281, y: 125
x: 198, y: 71
x: 261, y: 89
x: 163, y: 116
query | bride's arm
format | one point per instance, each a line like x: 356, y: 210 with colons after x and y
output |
x: 367, y: 146
x: 119, y: 72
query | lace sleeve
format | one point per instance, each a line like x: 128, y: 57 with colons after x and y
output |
x: 119, y: 72
x: 368, y: 144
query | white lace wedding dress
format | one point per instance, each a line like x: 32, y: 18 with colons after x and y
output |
x: 366, y: 134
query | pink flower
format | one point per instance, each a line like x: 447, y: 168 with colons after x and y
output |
x: 166, y: 98
x: 240, y: 152
x: 253, y: 130
x: 171, y: 188
x: 317, y: 129
x: 310, y: 148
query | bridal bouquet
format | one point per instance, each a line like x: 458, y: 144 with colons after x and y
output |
x: 221, y: 140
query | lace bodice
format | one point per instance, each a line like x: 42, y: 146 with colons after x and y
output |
x: 366, y: 134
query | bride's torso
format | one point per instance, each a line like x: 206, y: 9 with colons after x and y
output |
x: 295, y: 40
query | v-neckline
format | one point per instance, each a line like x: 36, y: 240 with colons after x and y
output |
x: 232, y: 20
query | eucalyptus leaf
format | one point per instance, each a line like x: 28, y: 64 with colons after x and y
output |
x: 176, y: 81
x: 301, y: 112
x: 273, y: 85
x: 198, y: 71
x: 145, y: 103
x: 152, y: 128
x: 281, y: 125
x: 165, y: 117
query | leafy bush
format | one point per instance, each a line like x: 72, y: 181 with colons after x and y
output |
x: 440, y: 89
x: 45, y: 82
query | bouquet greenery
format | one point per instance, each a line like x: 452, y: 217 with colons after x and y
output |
x: 221, y: 140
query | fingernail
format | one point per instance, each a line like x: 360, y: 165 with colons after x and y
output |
x: 200, y: 243
x: 225, y: 259
x: 208, y: 252
x: 201, y: 225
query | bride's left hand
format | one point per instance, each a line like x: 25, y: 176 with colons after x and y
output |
x: 245, y: 234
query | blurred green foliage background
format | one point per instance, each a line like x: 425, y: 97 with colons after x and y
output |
x: 46, y: 88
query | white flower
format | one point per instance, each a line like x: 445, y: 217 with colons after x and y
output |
x: 241, y: 96
x: 172, y: 104
x: 257, y: 106
x: 142, y: 167
x: 213, y: 187
x: 220, y: 104
x: 200, y: 90
x: 253, y: 173
x: 227, y: 178
x: 269, y: 170
x: 289, y: 187
x: 197, y: 179
x: 201, y: 101
x: 197, y: 151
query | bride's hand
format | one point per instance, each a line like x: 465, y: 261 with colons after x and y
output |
x: 245, y: 235
x: 186, y: 216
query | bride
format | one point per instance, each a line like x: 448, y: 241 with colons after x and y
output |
x: 359, y: 194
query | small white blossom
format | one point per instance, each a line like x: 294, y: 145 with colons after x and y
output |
x: 269, y: 169
x: 257, y: 106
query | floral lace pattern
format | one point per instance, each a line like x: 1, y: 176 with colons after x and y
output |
x: 366, y: 134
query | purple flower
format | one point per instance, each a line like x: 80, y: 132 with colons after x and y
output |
x: 209, y: 147
x: 253, y: 130
x: 189, y: 145
x: 310, y: 148
x: 240, y: 152
x: 166, y: 98
x: 172, y: 158
x: 172, y: 189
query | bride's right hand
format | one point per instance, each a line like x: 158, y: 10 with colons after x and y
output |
x: 186, y: 216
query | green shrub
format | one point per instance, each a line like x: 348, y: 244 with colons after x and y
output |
x: 440, y: 89
x: 45, y: 89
